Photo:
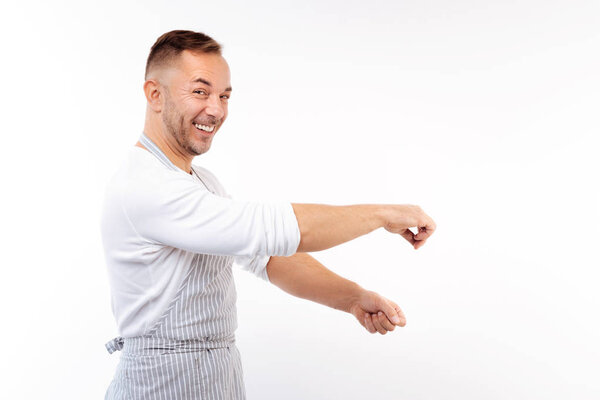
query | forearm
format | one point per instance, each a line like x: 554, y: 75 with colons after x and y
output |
x: 323, y: 226
x: 302, y: 276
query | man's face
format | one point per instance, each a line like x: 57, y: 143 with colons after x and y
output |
x: 196, y: 91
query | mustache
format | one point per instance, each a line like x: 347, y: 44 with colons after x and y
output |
x: 208, y: 121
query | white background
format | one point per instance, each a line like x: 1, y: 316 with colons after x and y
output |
x: 485, y: 113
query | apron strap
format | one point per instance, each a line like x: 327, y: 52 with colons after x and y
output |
x: 114, y: 345
x: 154, y: 149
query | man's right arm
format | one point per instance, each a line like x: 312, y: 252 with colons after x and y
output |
x: 176, y: 211
x: 323, y: 226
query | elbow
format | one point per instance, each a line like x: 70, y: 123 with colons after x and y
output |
x: 310, y: 242
x: 303, y: 230
x: 302, y: 245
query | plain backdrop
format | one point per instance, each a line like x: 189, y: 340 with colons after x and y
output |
x: 484, y: 113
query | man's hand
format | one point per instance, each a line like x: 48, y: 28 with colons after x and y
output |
x: 376, y: 313
x: 398, y: 218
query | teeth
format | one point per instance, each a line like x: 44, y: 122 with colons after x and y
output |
x: 205, y: 127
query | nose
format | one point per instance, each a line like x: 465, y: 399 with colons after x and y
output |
x: 215, y: 107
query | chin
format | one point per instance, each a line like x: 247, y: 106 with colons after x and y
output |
x: 197, y: 150
x: 198, y: 146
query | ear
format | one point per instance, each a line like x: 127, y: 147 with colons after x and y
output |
x: 152, y: 90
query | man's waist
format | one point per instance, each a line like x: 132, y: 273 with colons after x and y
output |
x: 142, y: 345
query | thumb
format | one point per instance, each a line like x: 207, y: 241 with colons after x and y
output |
x: 392, y: 314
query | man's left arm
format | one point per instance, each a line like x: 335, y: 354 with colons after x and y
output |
x: 303, y: 276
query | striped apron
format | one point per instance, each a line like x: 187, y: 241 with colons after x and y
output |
x: 190, y: 352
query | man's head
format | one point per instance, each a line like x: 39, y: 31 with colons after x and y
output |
x: 187, y: 87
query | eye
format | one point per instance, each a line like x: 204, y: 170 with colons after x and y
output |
x: 200, y: 91
x: 225, y: 97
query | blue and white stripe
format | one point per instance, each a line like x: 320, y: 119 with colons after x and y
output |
x: 190, y: 352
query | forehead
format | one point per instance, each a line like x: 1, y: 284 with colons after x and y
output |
x: 210, y: 67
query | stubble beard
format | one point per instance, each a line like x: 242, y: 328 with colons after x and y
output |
x: 171, y: 118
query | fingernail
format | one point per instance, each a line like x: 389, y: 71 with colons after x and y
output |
x: 396, y: 319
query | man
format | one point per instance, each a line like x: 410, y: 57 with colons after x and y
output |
x: 171, y: 234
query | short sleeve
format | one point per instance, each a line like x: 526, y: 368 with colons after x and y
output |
x: 176, y: 211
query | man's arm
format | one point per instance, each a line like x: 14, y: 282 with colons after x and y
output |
x: 303, y: 276
x: 323, y: 226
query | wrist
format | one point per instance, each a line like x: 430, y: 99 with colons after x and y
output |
x: 381, y: 215
x: 353, y: 299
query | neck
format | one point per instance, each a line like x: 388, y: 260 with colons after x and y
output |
x: 169, y: 147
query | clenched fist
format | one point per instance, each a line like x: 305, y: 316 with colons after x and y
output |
x: 398, y: 218
x: 376, y: 313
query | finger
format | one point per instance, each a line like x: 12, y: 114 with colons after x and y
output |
x: 378, y: 325
x: 409, y: 236
x: 400, y: 313
x: 385, y: 322
x: 369, y: 324
x: 390, y: 312
x: 419, y: 243
x: 425, y: 231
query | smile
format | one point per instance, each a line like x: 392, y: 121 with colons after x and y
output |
x: 205, y: 128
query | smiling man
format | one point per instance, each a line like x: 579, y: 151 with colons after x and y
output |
x: 171, y: 234
x: 187, y: 95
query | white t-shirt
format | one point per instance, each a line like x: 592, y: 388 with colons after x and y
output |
x: 153, y: 221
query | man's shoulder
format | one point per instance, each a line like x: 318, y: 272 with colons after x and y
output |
x: 141, y: 165
x: 138, y: 172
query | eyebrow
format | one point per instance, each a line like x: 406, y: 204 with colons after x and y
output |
x: 207, y: 83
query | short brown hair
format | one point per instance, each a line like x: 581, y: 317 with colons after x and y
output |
x: 171, y: 44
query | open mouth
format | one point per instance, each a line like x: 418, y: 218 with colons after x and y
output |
x: 205, y: 128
